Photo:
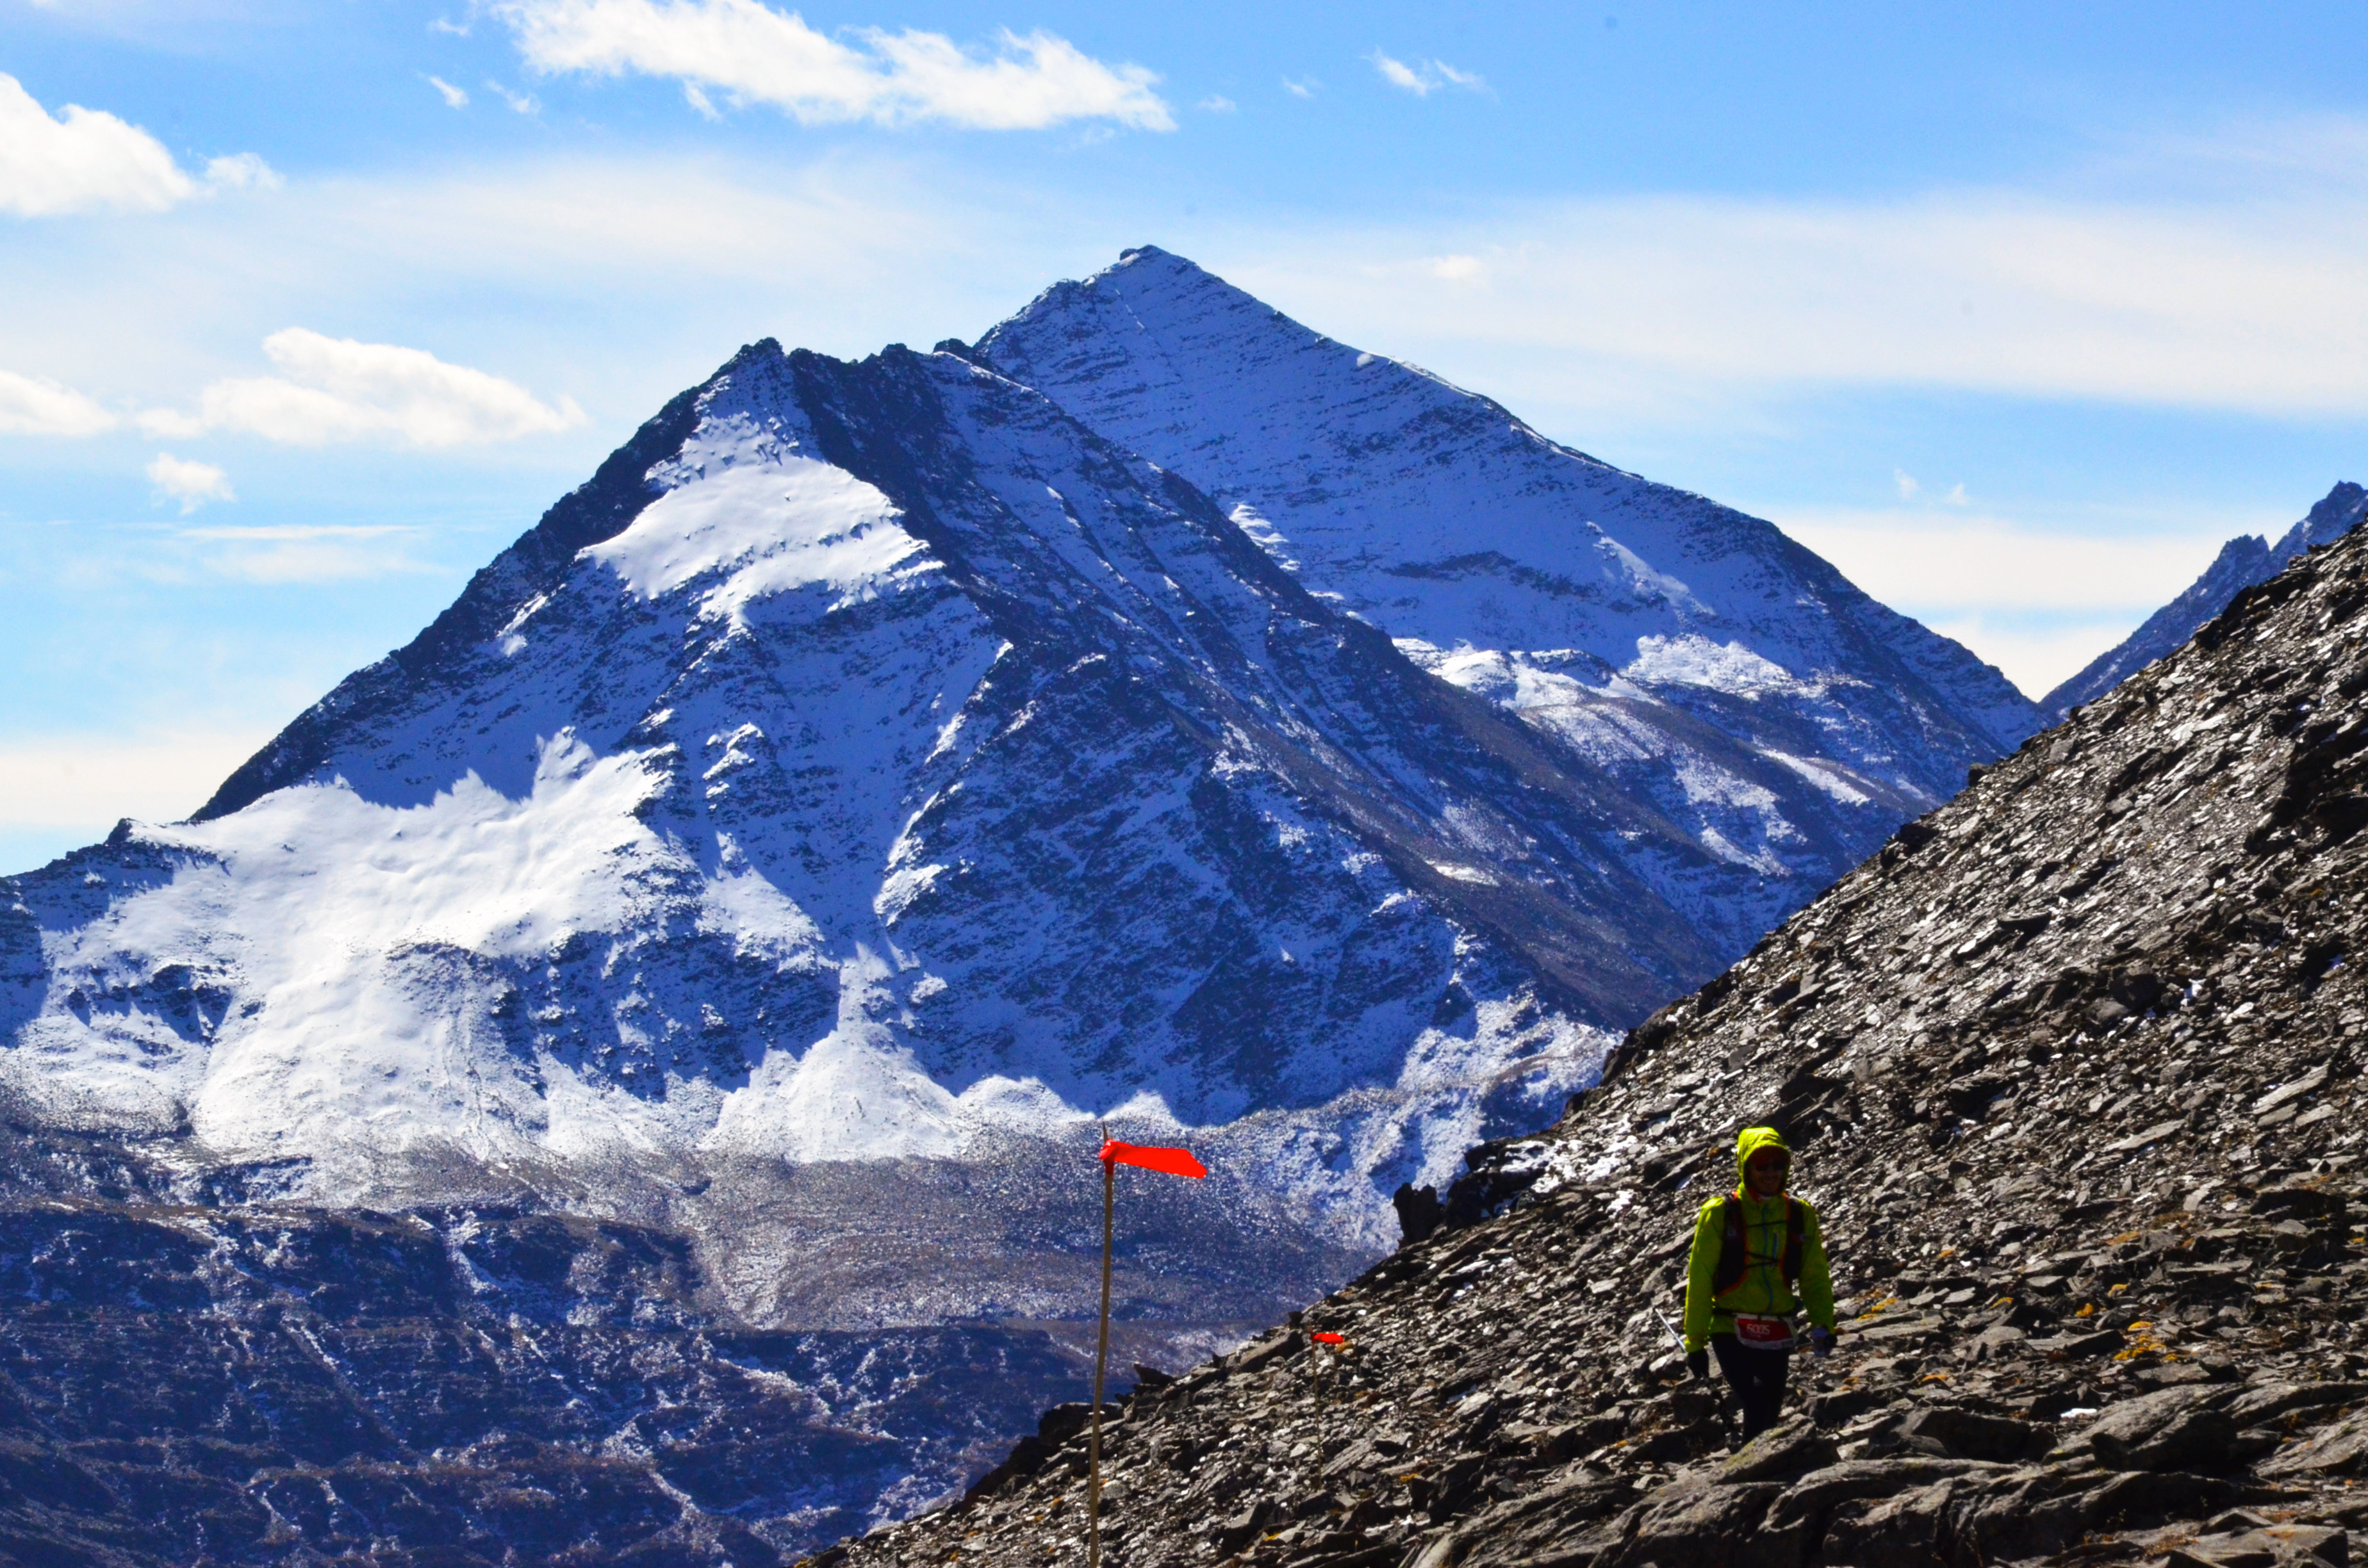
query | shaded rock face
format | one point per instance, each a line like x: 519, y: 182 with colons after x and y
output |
x: 1697, y: 655
x: 2072, y: 1072
x: 183, y: 1384
x: 2242, y: 561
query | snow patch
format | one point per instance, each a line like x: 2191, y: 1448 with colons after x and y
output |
x: 1694, y: 660
x: 765, y: 527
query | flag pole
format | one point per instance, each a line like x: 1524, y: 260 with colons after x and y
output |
x: 1101, y: 1358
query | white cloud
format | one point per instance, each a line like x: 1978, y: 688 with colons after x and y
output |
x: 454, y: 97
x: 241, y: 171
x: 34, y: 407
x: 2039, y: 602
x: 1306, y: 87
x: 332, y: 388
x: 191, y: 483
x: 309, y: 552
x: 2037, y: 653
x: 90, y: 780
x: 1217, y: 103
x: 1908, y: 489
x: 1457, y: 268
x: 2248, y: 304
x: 1424, y: 78
x: 84, y: 161
x: 88, y: 161
x: 1957, y: 565
x: 756, y: 54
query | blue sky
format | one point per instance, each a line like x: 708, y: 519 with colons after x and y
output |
x: 2015, y: 313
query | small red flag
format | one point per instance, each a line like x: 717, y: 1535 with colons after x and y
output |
x: 1175, y: 1162
x: 1331, y: 1339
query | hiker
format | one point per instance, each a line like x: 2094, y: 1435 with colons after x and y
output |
x: 1752, y: 1247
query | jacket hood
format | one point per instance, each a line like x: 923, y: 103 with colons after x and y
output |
x: 1752, y: 1141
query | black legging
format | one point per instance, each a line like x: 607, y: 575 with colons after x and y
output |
x: 1758, y: 1378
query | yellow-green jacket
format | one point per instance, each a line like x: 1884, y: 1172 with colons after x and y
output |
x: 1762, y: 1289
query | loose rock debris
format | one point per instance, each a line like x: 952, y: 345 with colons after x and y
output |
x: 2072, y: 1066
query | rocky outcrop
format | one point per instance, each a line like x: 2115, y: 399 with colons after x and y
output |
x: 2073, y: 1069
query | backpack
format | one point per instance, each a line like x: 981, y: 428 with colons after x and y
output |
x: 1735, y: 1247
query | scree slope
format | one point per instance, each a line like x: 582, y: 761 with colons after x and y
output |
x: 2072, y: 1069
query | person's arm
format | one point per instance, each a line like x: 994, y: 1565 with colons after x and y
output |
x: 1700, y: 1264
x: 1816, y: 1280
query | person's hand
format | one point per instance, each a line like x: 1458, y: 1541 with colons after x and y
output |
x: 1821, y: 1342
x: 1698, y: 1363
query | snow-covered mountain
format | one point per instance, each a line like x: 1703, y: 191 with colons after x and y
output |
x: 871, y: 759
x: 880, y: 773
x: 2244, y: 561
x: 1693, y: 653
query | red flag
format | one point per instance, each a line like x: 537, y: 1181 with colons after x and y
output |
x: 1175, y: 1162
x: 1331, y: 1339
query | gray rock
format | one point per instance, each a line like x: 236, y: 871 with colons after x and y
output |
x: 1951, y: 1433
x: 2334, y: 1449
x: 2271, y: 1546
x: 1698, y: 1523
x: 2176, y: 1428
x: 1780, y: 1454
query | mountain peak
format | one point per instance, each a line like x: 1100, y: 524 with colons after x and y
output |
x: 1584, y: 599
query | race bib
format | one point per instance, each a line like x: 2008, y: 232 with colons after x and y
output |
x: 1763, y: 1333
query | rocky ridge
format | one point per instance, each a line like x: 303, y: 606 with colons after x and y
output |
x: 2072, y: 1066
x: 2244, y: 561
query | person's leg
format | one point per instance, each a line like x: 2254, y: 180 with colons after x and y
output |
x: 1758, y: 1378
x: 1773, y: 1366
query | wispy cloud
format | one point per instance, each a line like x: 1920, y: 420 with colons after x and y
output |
x: 2039, y: 601
x: 754, y: 53
x: 1217, y: 103
x: 29, y: 406
x: 333, y: 388
x: 454, y: 97
x: 308, y: 553
x: 88, y: 780
x: 521, y: 103
x: 1302, y: 87
x: 2248, y: 304
x: 1911, y: 490
x: 1424, y: 78
x: 89, y: 161
x: 191, y: 483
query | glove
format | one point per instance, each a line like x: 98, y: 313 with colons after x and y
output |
x: 1698, y: 1363
x: 1821, y: 1342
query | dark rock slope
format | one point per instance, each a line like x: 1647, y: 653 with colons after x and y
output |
x: 2072, y: 1065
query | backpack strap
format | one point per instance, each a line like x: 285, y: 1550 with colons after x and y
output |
x: 1735, y: 1247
